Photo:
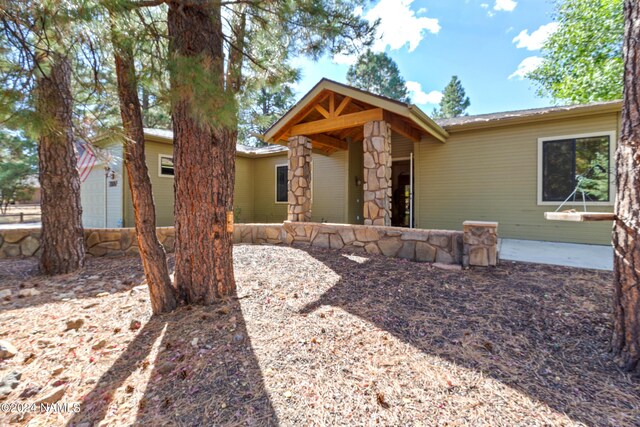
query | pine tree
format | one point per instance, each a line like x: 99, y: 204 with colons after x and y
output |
x: 207, y: 60
x: 454, y: 102
x: 626, y: 230
x: 378, y: 73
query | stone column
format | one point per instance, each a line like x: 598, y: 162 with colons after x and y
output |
x: 377, y: 173
x: 299, y: 179
x: 480, y: 243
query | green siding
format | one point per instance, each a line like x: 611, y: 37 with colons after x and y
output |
x: 243, y: 197
x: 329, y: 187
x: 492, y: 175
x: 162, y: 187
x: 266, y: 209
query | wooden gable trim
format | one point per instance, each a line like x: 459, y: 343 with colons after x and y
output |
x: 337, y: 123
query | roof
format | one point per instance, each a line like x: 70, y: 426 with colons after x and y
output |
x: 315, y: 114
x: 527, y: 116
x: 166, y: 136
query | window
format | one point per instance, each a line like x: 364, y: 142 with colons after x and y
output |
x: 282, y: 183
x: 165, y: 165
x: 581, y: 162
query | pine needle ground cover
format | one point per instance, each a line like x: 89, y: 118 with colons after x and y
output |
x: 316, y: 337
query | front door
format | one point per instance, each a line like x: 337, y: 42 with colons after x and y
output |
x: 401, y: 193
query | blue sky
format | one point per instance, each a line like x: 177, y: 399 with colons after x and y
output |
x: 489, y: 44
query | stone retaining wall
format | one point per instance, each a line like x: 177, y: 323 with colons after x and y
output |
x: 99, y: 241
x: 477, y: 245
x: 413, y: 244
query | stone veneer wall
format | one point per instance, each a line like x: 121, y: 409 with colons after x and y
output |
x: 377, y: 173
x: 476, y: 246
x: 480, y: 243
x: 99, y: 241
x: 299, y: 194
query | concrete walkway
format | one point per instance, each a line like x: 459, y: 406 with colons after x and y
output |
x: 568, y: 254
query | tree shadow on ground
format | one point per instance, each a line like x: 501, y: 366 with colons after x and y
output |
x: 542, y: 331
x: 99, y: 275
x: 204, y: 373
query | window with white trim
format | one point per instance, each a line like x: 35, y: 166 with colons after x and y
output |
x: 573, y: 166
x: 165, y: 165
x: 282, y: 183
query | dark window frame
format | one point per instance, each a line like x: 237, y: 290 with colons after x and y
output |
x: 545, y: 149
x: 282, y: 187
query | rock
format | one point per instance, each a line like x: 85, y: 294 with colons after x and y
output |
x: 135, y: 325
x: 408, y: 251
x: 57, y: 370
x: 28, y: 292
x: 52, y: 397
x: 166, y: 368
x: 99, y: 345
x: 450, y: 267
x: 8, y: 383
x: 5, y: 294
x: 478, y: 256
x: 335, y: 241
x: 29, y: 246
x: 372, y: 249
x: 390, y: 246
x: 366, y: 234
x: 418, y: 235
x: 11, y: 249
x: 102, y: 294
x: 7, y: 350
x: 321, y: 241
x: 238, y: 337
x: 444, y: 257
x: 425, y: 252
x: 439, y: 240
x: 74, y: 324
x: 14, y: 236
x: 194, y: 342
x: 347, y: 234
x: 30, y: 391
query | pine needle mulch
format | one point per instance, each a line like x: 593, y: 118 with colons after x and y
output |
x: 316, y: 337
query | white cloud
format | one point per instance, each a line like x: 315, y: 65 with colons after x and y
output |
x: 536, y: 39
x: 484, y: 5
x: 526, y: 66
x: 418, y: 96
x: 506, y: 5
x: 399, y: 26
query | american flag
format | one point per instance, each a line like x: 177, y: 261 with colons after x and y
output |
x: 86, y: 159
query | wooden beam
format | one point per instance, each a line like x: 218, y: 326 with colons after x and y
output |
x: 332, y: 104
x: 320, y: 109
x: 302, y: 114
x: 337, y: 123
x: 330, y: 141
x: 346, y: 101
x: 401, y: 127
x: 580, y: 216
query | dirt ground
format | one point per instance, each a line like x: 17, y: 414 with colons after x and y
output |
x: 318, y: 338
x: 31, y: 213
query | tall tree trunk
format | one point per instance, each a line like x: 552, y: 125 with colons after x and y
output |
x: 626, y: 241
x: 154, y: 258
x: 204, y: 153
x: 63, y: 248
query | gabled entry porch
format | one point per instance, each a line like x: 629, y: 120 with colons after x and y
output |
x: 333, y: 117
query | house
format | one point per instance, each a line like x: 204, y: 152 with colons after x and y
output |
x: 379, y: 161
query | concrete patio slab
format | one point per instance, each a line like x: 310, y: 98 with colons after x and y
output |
x: 568, y: 254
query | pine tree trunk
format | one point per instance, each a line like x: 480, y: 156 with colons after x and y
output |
x: 63, y: 248
x: 626, y: 242
x: 204, y: 158
x: 154, y: 258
